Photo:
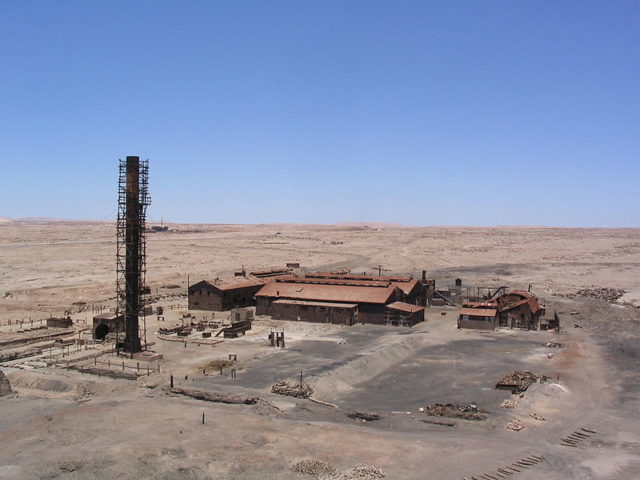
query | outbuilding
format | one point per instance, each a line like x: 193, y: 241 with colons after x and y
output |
x: 403, y: 314
x: 106, y: 323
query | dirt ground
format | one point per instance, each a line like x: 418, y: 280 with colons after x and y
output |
x: 61, y: 423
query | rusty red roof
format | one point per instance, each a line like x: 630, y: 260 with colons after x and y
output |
x: 358, y: 277
x: 478, y: 312
x: 527, y: 297
x: 232, y: 283
x: 406, y: 286
x: 316, y: 304
x: 405, y: 307
x: 327, y: 293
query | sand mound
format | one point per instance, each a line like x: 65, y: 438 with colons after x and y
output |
x: 366, y: 366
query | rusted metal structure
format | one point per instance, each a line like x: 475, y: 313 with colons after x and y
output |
x: 515, y: 309
x: 133, y: 199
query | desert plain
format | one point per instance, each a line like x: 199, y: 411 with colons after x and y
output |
x: 62, y: 423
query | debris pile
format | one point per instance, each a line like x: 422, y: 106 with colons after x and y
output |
x: 554, y: 345
x: 510, y: 402
x: 364, y: 416
x: 364, y: 472
x: 466, y: 412
x: 292, y: 389
x: 517, y: 381
x: 314, y: 467
x: 602, y: 293
x: 535, y: 416
x: 515, y: 425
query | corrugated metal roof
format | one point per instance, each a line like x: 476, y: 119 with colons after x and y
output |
x: 232, y: 283
x: 478, y: 312
x: 527, y: 297
x: 315, y: 304
x: 405, y: 307
x: 328, y: 293
x: 407, y: 287
x: 382, y: 278
x: 334, y: 281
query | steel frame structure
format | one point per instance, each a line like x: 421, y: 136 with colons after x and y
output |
x: 133, y: 199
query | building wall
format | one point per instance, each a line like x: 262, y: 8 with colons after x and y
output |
x: 520, y: 317
x: 204, y: 297
x: 313, y: 313
x: 476, y: 323
x: 371, y: 313
x: 403, y: 319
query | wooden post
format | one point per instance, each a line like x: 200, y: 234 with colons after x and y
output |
x: 203, y: 418
x: 171, y: 381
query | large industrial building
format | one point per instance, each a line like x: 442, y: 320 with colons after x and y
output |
x: 316, y: 297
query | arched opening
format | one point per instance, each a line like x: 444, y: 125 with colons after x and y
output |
x: 101, y: 331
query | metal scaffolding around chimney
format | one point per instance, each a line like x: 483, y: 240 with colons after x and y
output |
x: 133, y: 199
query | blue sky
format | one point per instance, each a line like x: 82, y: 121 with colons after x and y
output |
x: 421, y: 113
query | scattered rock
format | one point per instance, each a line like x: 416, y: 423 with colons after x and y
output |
x: 554, y: 345
x: 515, y: 425
x: 510, y: 402
x: 69, y: 466
x: 601, y: 293
x: 535, y: 416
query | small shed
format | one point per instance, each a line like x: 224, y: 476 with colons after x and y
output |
x: 107, y: 323
x: 403, y: 314
x: 324, y: 312
x: 59, y: 322
x: 478, y: 318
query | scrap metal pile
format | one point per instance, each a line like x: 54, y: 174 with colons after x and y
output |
x: 292, y: 389
x: 466, y: 412
x: 516, y: 381
x: 602, y: 293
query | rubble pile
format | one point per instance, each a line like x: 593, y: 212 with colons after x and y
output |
x: 517, y: 381
x: 364, y: 472
x: 510, y: 402
x: 314, y: 467
x: 536, y: 416
x: 515, y: 425
x: 603, y: 293
x: 466, y: 412
x: 292, y: 389
x: 554, y: 345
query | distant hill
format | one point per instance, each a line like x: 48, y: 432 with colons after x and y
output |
x: 371, y: 224
x: 5, y: 220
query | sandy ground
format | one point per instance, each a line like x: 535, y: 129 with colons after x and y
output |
x: 64, y: 424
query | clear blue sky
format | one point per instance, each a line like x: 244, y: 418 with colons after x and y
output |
x: 422, y: 113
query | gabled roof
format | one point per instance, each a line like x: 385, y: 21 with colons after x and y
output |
x: 405, y: 307
x: 406, y: 286
x: 328, y: 293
